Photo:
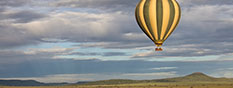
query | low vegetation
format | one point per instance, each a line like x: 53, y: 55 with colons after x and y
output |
x: 143, y: 85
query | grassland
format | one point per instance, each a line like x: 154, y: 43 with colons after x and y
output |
x: 144, y: 85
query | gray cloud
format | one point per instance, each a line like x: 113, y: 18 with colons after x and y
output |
x: 114, y: 54
x: 105, y: 54
x: 19, y: 16
x: 25, y: 16
x: 18, y: 56
x: 205, y: 2
x: 202, y: 26
x: 12, y: 36
x: 127, y: 5
x: 103, y: 5
x: 98, y: 27
x: 85, y: 53
x: 14, y: 3
x: 116, y: 45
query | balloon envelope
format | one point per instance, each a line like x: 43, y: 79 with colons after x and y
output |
x: 158, y: 19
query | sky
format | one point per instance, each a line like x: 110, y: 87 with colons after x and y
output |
x: 89, y: 40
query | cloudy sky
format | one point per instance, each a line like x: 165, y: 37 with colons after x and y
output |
x: 87, y: 40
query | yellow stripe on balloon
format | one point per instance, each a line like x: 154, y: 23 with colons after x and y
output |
x: 176, y: 19
x: 166, y: 17
x: 141, y: 15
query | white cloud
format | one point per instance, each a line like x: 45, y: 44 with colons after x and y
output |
x: 73, y: 57
x: 119, y: 30
x: 226, y: 57
x: 49, y: 50
x: 11, y: 56
x: 223, y: 72
x: 79, y: 26
x: 115, y: 45
x: 134, y: 36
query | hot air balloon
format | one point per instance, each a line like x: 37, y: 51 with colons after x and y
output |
x: 158, y: 19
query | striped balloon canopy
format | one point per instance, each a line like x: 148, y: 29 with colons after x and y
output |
x: 158, y: 19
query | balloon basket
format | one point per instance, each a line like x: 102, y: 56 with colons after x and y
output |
x: 158, y: 49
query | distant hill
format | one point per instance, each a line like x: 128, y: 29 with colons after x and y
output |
x: 194, y: 77
x: 26, y: 83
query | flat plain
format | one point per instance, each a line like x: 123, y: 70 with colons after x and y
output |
x: 140, y: 85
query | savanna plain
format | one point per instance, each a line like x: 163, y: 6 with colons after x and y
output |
x: 140, y: 85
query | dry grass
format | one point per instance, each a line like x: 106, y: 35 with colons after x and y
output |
x: 144, y: 85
